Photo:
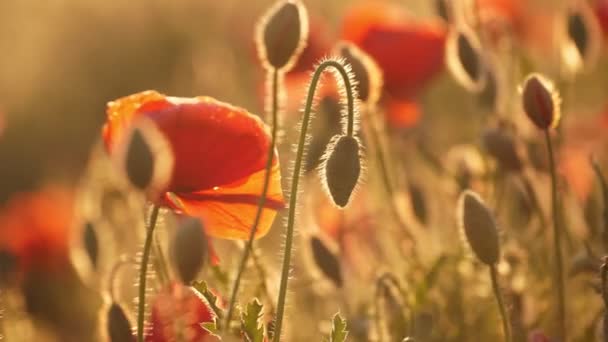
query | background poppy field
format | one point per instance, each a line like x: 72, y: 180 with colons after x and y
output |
x: 455, y: 103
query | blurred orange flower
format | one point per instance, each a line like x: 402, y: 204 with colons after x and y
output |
x: 601, y: 11
x: 35, y: 226
x: 178, y: 311
x: 219, y: 156
x: 410, y: 52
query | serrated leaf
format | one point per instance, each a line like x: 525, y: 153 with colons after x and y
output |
x: 252, y: 330
x: 212, y: 328
x: 338, y: 329
x: 203, y: 289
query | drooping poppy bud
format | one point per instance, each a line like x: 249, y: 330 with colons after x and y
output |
x: 367, y: 73
x: 281, y: 34
x: 189, y: 249
x: 541, y: 102
x: 342, y: 168
x: 464, y: 59
x: 326, y: 260
x: 118, y: 325
x: 90, y: 243
x: 145, y: 157
x: 583, y: 37
x: 479, y: 227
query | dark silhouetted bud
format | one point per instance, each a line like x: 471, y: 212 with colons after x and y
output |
x: 366, y: 71
x: 583, y: 34
x: 91, y: 245
x: 464, y: 59
x: 326, y: 261
x: 443, y: 8
x: 418, y: 202
x: 540, y: 101
x: 342, y: 168
x: 139, y: 161
x: 577, y: 31
x: 479, y: 227
x: 500, y: 144
x: 282, y: 33
x: 189, y: 249
x: 118, y: 325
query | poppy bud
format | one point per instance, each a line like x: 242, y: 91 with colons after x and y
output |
x: 541, y: 102
x: 501, y: 145
x: 91, y: 245
x: 583, y: 37
x: 326, y: 260
x: 479, y: 227
x: 364, y: 68
x: 282, y: 33
x: 189, y: 249
x: 418, y: 202
x: 464, y: 59
x: 118, y: 325
x: 140, y: 161
x: 342, y: 168
x: 443, y: 8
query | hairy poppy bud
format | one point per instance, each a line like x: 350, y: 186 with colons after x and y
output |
x: 464, y: 59
x: 366, y: 71
x: 118, y: 325
x: 189, y: 249
x: 326, y: 260
x: 479, y: 227
x: 282, y: 33
x: 541, y: 102
x: 91, y: 245
x: 342, y: 168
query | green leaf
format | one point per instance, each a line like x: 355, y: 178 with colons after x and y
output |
x: 338, y: 329
x: 253, y: 331
x: 212, y: 328
x: 203, y: 289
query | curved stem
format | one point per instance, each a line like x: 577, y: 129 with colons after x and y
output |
x: 143, y: 273
x: 501, y: 305
x: 561, y: 298
x: 297, y: 172
x: 262, y: 201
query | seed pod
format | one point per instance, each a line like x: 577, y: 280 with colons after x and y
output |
x: 464, y: 59
x: 342, y: 168
x: 281, y: 34
x: 91, y: 245
x: 541, y: 102
x: 326, y: 261
x: 479, y: 227
x: 118, y: 325
x: 500, y: 144
x: 189, y: 249
x: 366, y: 71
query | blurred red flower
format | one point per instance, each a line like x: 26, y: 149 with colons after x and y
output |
x: 177, y: 313
x: 219, y: 156
x: 601, y: 11
x: 34, y: 228
x: 409, y: 52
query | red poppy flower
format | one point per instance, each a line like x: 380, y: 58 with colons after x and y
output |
x: 177, y: 312
x: 402, y: 113
x: 219, y: 154
x: 601, y: 11
x: 34, y: 228
x: 409, y: 52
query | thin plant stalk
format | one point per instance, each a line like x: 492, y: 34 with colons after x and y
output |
x: 561, y: 298
x: 262, y: 200
x: 506, y: 323
x: 143, y: 273
x: 297, y: 172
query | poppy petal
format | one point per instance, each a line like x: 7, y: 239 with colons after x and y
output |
x: 229, y: 210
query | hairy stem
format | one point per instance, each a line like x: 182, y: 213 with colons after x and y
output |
x: 559, y: 277
x: 506, y: 323
x: 143, y: 273
x: 297, y: 171
x: 262, y: 201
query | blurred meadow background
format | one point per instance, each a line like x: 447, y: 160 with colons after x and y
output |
x: 62, y: 61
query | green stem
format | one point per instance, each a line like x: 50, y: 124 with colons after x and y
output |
x: 143, y: 273
x: 297, y: 172
x: 262, y: 201
x: 501, y: 305
x: 561, y: 298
